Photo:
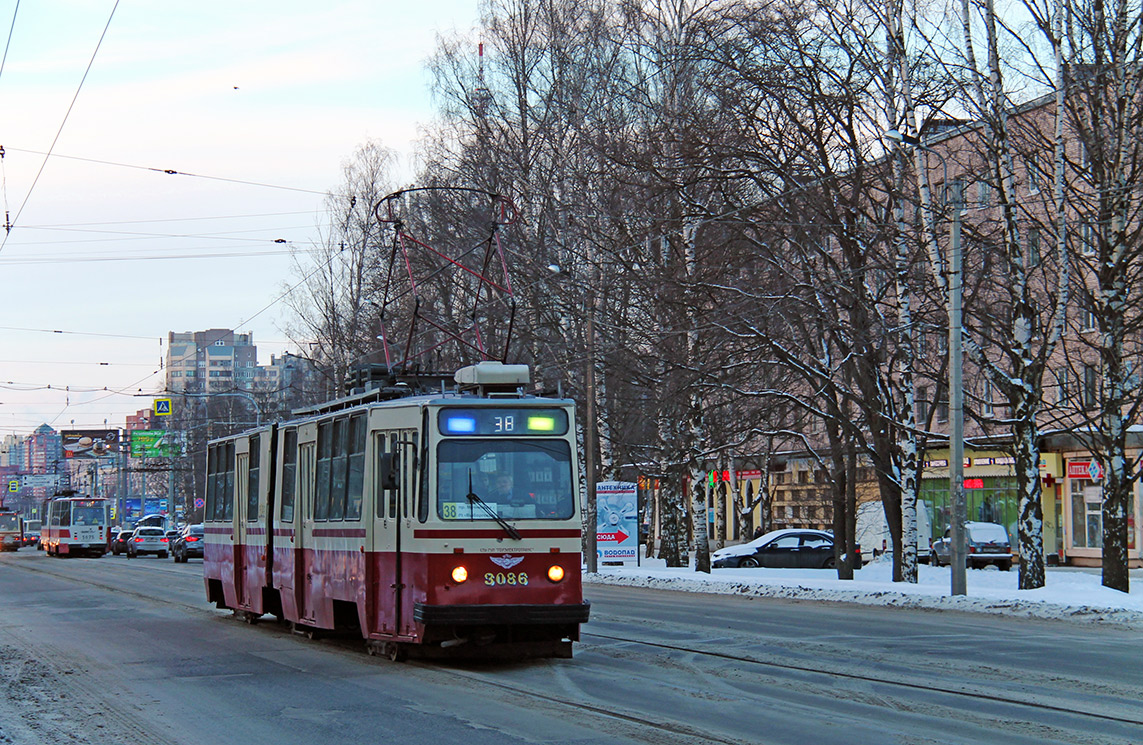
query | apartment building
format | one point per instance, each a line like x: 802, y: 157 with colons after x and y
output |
x: 208, y: 361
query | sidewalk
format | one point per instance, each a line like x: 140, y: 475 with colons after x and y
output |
x: 1070, y: 593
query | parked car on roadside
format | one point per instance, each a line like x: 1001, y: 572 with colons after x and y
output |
x: 119, y: 541
x: 148, y: 540
x: 986, y: 543
x: 787, y: 548
x: 188, y: 544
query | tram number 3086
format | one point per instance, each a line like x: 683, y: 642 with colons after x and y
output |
x: 494, y: 579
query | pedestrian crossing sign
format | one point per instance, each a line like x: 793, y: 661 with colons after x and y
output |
x: 162, y: 407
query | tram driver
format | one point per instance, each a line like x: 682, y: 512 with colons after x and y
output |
x: 511, y: 503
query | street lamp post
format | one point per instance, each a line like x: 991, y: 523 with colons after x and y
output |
x: 956, y: 374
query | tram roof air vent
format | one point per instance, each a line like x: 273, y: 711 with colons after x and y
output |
x: 493, y: 376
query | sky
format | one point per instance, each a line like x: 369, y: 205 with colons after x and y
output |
x: 1070, y: 593
x: 260, y: 102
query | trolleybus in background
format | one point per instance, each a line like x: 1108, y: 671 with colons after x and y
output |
x: 11, y: 530
x: 76, y: 526
x: 430, y: 522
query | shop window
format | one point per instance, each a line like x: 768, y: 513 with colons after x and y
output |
x: 1087, y: 515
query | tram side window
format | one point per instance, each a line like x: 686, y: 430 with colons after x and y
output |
x: 340, y: 469
x: 54, y: 514
x: 252, y: 481
x: 324, y: 466
x: 220, y: 496
x: 289, y: 474
x: 393, y: 494
x: 211, y: 480
x: 409, y: 489
x: 65, y: 515
x: 380, y: 495
x: 228, y: 483
x: 355, y: 483
x: 422, y: 485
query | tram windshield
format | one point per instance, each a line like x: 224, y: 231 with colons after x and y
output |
x: 9, y: 522
x: 511, y: 479
x: 87, y: 513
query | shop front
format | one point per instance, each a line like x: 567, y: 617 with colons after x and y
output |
x: 1083, y: 514
x: 991, y: 495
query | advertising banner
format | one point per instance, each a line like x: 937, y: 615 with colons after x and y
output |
x: 156, y: 443
x: 151, y: 506
x: 617, y: 528
x: 89, y: 443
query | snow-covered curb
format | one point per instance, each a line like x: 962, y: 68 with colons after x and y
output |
x: 921, y: 596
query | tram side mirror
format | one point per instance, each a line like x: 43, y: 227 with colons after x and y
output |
x: 390, y: 466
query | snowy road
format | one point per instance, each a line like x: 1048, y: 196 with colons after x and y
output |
x: 114, y: 651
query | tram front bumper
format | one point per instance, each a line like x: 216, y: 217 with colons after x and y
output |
x: 500, y: 615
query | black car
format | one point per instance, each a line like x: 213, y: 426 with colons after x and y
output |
x: 188, y: 544
x: 119, y: 542
x: 788, y: 548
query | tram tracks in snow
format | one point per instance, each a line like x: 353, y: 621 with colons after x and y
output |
x: 914, y: 683
x: 772, y: 675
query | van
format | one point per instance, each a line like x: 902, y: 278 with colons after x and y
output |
x: 873, y: 530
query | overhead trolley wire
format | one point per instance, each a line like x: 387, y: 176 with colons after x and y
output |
x: 173, y: 172
x: 8, y: 43
x: 3, y: 171
x: 63, y: 123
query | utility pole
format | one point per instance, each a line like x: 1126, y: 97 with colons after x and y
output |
x: 589, y: 431
x: 956, y: 403
x: 956, y: 366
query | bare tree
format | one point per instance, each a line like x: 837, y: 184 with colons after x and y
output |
x: 334, y: 302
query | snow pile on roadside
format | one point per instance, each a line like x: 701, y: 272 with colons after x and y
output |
x: 1070, y: 594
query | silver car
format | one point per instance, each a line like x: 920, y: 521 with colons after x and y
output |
x: 148, y: 540
x: 985, y: 543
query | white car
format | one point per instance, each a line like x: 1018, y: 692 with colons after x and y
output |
x: 148, y: 541
x: 985, y: 543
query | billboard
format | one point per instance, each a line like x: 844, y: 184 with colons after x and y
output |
x: 136, y: 506
x: 617, y: 529
x: 156, y: 443
x: 89, y: 443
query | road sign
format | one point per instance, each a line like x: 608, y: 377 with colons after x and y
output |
x: 42, y: 480
x: 14, y: 485
x: 199, y: 503
x: 162, y: 407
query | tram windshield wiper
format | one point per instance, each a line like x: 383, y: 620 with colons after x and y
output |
x: 473, y: 498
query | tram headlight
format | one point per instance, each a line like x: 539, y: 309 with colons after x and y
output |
x: 556, y: 573
x: 459, y: 575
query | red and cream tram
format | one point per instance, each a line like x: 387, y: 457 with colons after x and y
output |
x: 76, y: 526
x: 426, y: 522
